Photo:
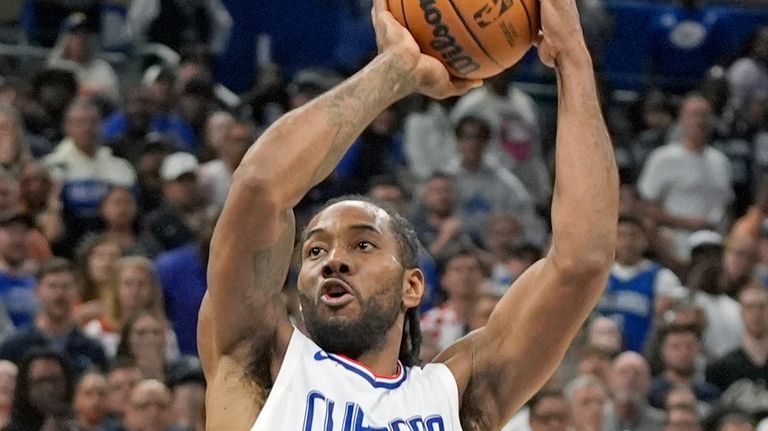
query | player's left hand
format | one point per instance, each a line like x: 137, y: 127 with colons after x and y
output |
x: 426, y: 74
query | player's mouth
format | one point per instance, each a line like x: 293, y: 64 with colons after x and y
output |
x: 335, y: 293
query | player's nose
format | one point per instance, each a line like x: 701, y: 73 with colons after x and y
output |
x: 338, y: 262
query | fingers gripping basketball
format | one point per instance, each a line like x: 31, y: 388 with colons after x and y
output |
x: 475, y: 39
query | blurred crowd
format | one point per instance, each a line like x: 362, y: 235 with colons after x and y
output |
x: 110, y: 188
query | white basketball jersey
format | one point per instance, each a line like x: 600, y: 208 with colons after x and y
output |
x: 319, y: 391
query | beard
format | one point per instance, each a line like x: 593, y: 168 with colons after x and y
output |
x: 355, y: 337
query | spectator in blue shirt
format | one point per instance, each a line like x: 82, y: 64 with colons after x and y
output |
x: 182, y: 273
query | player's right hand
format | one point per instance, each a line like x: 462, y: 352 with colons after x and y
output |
x: 421, y: 72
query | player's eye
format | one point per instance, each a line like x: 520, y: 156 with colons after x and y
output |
x: 315, y: 251
x: 365, y: 245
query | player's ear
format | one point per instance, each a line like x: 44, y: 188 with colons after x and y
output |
x: 413, y: 287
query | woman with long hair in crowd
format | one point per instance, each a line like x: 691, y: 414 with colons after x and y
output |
x: 136, y: 288
x: 143, y: 339
x: 96, y: 257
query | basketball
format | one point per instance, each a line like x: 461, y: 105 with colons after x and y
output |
x: 475, y: 39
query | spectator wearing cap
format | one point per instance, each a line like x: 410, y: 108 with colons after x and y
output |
x: 749, y: 362
x: 76, y: 50
x: 86, y: 170
x: 55, y: 326
x: 724, y: 328
x: 180, y: 216
x: 17, y: 281
x: 637, y: 287
x: 687, y: 184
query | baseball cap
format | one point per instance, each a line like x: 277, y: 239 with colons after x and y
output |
x: 75, y: 23
x: 178, y: 164
x: 703, y: 238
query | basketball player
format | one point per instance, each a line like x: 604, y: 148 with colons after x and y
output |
x: 359, y: 284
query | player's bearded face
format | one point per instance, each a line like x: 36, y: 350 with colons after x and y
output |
x: 353, y: 336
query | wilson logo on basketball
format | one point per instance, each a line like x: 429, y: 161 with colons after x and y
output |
x: 444, y: 42
x: 492, y: 11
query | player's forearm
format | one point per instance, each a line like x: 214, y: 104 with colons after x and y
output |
x: 585, y: 205
x: 303, y: 147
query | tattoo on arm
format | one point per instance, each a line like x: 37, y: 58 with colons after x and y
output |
x: 356, y: 104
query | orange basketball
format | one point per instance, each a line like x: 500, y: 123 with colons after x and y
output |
x: 475, y: 39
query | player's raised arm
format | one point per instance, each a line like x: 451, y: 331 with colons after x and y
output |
x: 502, y: 365
x: 242, y: 318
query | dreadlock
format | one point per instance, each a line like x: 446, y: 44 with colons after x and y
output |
x: 410, y: 344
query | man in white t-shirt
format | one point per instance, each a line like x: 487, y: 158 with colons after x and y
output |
x: 724, y: 327
x: 688, y: 183
x: 85, y: 168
